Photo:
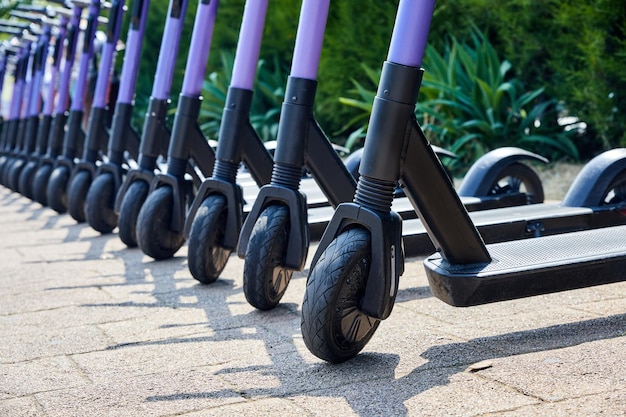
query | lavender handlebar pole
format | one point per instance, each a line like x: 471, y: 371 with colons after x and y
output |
x: 39, y: 63
x: 132, y: 56
x: 28, y: 81
x: 70, y: 56
x: 169, y: 49
x: 309, y: 39
x: 19, y: 85
x: 249, y: 44
x: 78, y: 99
x: 56, y: 65
x: 410, y: 32
x: 108, y: 53
x: 199, y: 48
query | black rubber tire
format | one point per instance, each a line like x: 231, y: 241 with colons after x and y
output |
x: 13, y: 174
x: 511, y: 179
x: 40, y: 184
x: 99, y: 204
x: 77, y: 195
x: 25, y: 182
x: 333, y: 327
x: 8, y: 161
x: 265, y: 278
x: 3, y: 160
x: 615, y: 193
x: 56, y: 192
x: 206, y: 257
x: 154, y: 236
x: 134, y: 198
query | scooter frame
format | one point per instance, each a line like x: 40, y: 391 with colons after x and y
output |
x: 100, y: 200
x: 464, y: 271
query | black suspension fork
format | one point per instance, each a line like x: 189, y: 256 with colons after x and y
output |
x: 396, y: 149
x: 238, y: 141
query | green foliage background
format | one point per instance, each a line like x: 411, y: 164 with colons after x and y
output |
x: 574, y: 49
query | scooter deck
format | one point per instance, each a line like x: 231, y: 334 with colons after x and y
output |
x: 522, y: 222
x: 320, y: 211
x: 530, y: 267
x: 497, y: 225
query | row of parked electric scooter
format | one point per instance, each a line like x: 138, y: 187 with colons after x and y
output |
x: 162, y: 187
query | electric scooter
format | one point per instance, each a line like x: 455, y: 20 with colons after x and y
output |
x: 155, y: 136
x: 216, y: 214
x: 354, y: 274
x: 27, y: 176
x: 27, y: 134
x: 100, y: 200
x: 19, y: 105
x: 74, y: 140
x: 62, y: 106
x: 162, y: 217
x: 275, y: 235
x: 12, y: 53
x: 97, y: 136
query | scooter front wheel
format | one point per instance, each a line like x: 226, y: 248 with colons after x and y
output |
x: 154, y: 236
x: 77, y: 194
x: 25, y: 182
x: 206, y: 256
x: 13, y: 174
x: 40, y: 184
x: 99, y: 204
x: 56, y: 193
x: 132, y: 202
x: 265, y: 278
x: 333, y: 327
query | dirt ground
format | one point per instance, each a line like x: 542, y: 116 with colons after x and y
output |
x: 557, y: 178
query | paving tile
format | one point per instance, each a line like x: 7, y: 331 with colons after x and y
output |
x: 265, y: 407
x: 554, y: 375
x: 20, y: 407
x: 40, y: 375
x: 160, y: 394
x: 44, y: 343
x: 609, y: 404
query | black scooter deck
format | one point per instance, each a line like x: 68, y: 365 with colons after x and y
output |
x: 514, y: 223
x: 531, y: 267
x: 497, y: 225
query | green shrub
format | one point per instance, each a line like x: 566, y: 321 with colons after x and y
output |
x: 470, y: 104
x: 269, y: 91
x: 575, y: 48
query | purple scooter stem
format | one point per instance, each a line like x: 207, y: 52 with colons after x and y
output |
x: 18, y: 91
x: 132, y: 57
x: 28, y: 84
x: 410, y: 32
x: 48, y: 106
x: 78, y: 98
x: 64, y: 83
x: 37, y: 77
x: 169, y: 51
x: 198, y: 51
x: 308, y: 49
x: 106, y: 61
x: 249, y: 45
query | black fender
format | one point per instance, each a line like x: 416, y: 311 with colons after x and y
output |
x: 234, y: 203
x: 182, y: 190
x: 295, y: 201
x: 133, y: 175
x: 487, y: 168
x: 592, y: 182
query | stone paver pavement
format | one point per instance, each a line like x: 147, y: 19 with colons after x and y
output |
x: 91, y: 328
